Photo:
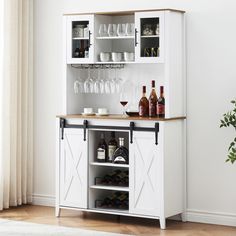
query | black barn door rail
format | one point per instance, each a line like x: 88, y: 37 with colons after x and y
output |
x: 131, y: 128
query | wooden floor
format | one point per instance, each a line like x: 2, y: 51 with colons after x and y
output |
x: 108, y: 223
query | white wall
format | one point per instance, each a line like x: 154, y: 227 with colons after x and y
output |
x: 211, y: 74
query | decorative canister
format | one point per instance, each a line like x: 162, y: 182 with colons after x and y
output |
x: 78, y: 31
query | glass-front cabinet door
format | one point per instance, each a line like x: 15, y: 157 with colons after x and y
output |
x: 149, y: 37
x: 80, y: 40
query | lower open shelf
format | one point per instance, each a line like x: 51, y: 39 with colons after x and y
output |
x: 105, y: 210
x: 109, y: 164
x: 109, y: 200
x: 113, y: 188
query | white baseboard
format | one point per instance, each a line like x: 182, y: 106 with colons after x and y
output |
x: 191, y: 215
x: 217, y: 218
x: 43, y: 200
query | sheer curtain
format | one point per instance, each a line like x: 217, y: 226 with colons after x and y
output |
x: 16, y: 102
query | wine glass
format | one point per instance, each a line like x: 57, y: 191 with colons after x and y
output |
x: 118, y: 82
x: 123, y: 100
x: 88, y: 84
x: 129, y: 29
x: 78, y: 86
x: 102, y: 30
x: 107, y: 86
x: 96, y: 88
x: 121, y: 29
x: 101, y: 82
x: 112, y: 30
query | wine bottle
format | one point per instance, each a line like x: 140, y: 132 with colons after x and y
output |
x: 121, y: 154
x: 112, y: 146
x: 102, y: 149
x: 143, y: 104
x: 81, y: 50
x: 161, y: 104
x: 153, y: 101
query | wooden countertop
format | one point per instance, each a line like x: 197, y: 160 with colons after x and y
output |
x: 118, y: 117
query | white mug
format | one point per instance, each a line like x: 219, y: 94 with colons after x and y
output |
x: 102, y: 111
x: 88, y: 110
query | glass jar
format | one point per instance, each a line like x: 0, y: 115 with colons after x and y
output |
x: 78, y: 31
x: 147, y: 30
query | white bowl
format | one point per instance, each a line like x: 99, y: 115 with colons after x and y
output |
x: 128, y: 56
x: 116, y: 56
x: 104, y: 56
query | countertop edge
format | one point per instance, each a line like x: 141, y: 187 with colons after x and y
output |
x: 119, y: 117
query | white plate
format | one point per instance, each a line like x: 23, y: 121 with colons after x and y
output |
x: 88, y: 114
x: 104, y: 114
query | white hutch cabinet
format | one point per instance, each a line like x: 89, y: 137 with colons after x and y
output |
x: 75, y: 40
x: 156, y: 170
x: 143, y: 41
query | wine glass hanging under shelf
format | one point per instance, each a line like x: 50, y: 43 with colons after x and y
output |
x: 98, y: 66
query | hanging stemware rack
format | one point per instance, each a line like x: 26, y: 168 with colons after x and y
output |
x: 98, y: 66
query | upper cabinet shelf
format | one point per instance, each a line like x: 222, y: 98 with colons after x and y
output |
x: 80, y: 38
x: 138, y: 33
x: 150, y: 36
x: 115, y: 37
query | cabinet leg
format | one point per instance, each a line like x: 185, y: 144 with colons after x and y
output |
x: 84, y: 214
x: 162, y: 223
x: 183, y: 217
x: 58, y: 211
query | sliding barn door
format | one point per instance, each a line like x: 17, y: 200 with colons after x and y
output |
x: 73, y: 169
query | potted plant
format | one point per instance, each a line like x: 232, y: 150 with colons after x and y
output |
x: 229, y: 120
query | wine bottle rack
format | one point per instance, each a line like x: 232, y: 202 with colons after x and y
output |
x: 98, y: 66
x: 116, y: 201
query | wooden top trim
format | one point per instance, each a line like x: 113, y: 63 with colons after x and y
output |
x: 119, y: 13
x: 119, y: 117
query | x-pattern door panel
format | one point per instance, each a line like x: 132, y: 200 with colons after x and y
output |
x: 73, y: 167
x: 144, y: 177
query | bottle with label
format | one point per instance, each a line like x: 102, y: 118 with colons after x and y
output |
x: 86, y: 52
x: 161, y: 104
x: 143, y: 104
x: 121, y: 154
x: 153, y: 101
x: 102, y: 149
x: 112, y: 146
